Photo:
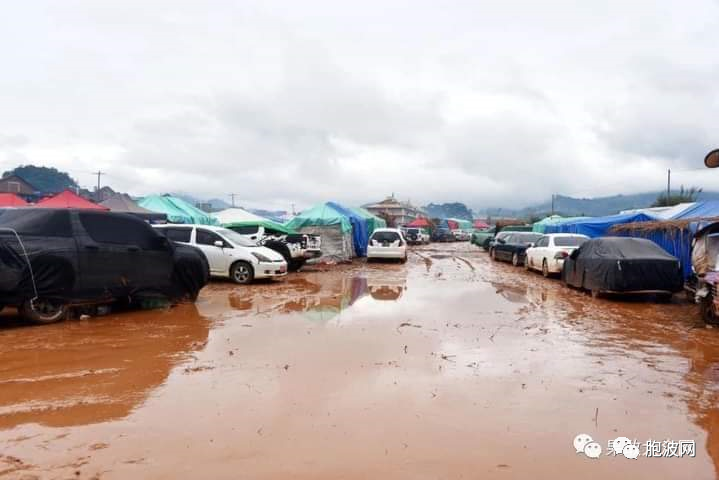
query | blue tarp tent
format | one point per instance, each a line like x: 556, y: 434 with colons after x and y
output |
x: 360, y: 235
x: 677, y: 238
x: 709, y: 209
x: 598, y: 226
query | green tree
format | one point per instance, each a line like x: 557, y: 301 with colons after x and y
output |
x: 674, y: 198
x: 45, y: 179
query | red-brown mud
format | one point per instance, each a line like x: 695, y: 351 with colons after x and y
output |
x: 450, y: 366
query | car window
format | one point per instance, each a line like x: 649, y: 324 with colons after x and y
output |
x: 246, y: 229
x: 542, y: 242
x: 236, y: 238
x: 46, y: 223
x: 275, y: 233
x: 385, y: 236
x: 206, y: 237
x: 525, y: 237
x: 569, y: 241
x: 182, y: 234
x: 117, y: 229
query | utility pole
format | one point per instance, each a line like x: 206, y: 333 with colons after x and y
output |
x: 669, y: 183
x: 552, y: 204
x: 99, y: 174
x: 232, y: 196
x: 293, y: 210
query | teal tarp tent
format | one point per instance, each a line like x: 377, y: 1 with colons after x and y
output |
x: 373, y: 221
x: 333, y: 226
x: 177, y: 210
x: 541, y: 226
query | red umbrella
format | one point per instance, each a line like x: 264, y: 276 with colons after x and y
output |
x: 480, y: 224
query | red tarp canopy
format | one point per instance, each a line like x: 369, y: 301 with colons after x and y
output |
x: 68, y: 199
x: 419, y: 223
x: 11, y: 200
x: 452, y: 225
x: 480, y: 224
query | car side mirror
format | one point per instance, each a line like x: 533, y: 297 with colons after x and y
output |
x: 500, y: 240
x: 219, y: 243
x: 162, y: 243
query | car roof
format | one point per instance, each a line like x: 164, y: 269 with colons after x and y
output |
x: 396, y: 230
x: 189, y: 225
x: 565, y: 235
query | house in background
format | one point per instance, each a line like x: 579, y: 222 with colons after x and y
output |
x: 394, y: 211
x: 20, y: 187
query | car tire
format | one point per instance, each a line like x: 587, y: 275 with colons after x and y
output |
x: 242, y: 273
x: 527, y: 264
x: 43, y: 311
x: 515, y: 259
x: 545, y: 268
x: 295, y: 264
x: 492, y: 255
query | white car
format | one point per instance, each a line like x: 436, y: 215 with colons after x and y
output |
x: 549, y: 252
x: 229, y: 254
x: 387, y: 243
x: 416, y: 235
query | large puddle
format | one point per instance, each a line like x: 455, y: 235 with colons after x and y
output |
x: 446, y: 367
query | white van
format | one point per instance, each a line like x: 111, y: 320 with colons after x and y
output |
x: 229, y: 254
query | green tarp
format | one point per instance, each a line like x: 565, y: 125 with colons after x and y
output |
x: 177, y: 210
x: 269, y: 224
x: 320, y: 215
x: 463, y: 224
x: 540, y: 226
x: 373, y: 222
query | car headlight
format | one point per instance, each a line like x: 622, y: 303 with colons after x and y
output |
x: 261, y: 257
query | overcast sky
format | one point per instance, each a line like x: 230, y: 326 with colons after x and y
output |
x: 492, y: 103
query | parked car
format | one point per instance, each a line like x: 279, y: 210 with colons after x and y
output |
x: 512, y: 246
x: 295, y: 248
x: 482, y: 238
x: 496, y: 239
x: 55, y: 259
x: 623, y: 265
x: 442, y: 235
x: 416, y: 236
x: 703, y: 284
x: 386, y: 243
x: 548, y: 253
x: 461, y: 235
x: 229, y: 254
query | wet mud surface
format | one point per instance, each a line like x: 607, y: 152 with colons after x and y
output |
x: 449, y: 366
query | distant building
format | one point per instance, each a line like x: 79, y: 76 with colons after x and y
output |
x: 18, y: 186
x: 397, y: 212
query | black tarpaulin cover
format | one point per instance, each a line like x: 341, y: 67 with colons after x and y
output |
x: 622, y: 264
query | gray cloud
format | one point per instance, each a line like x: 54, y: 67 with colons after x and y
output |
x: 282, y: 102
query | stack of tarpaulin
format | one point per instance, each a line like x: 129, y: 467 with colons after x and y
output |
x: 373, y: 221
x: 177, y: 210
x: 344, y: 232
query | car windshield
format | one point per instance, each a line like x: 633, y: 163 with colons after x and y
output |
x: 503, y: 235
x: 385, y: 236
x: 413, y: 230
x: 235, y: 237
x: 526, y: 237
x: 569, y: 241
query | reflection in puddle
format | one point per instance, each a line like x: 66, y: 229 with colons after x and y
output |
x: 81, y: 372
x: 319, y: 297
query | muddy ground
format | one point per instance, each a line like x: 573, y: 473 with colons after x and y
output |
x: 447, y: 367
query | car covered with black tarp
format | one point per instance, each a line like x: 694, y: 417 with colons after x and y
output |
x: 52, y: 259
x: 623, y: 265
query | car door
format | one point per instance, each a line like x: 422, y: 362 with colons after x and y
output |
x: 503, y: 248
x: 106, y: 259
x: 539, y: 252
x: 216, y: 256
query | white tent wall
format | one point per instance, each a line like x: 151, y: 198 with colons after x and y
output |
x: 336, y: 246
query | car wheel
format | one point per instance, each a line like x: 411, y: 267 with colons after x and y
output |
x: 43, y: 311
x: 295, y: 264
x: 492, y: 255
x: 515, y: 259
x: 242, y: 273
x: 545, y: 268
